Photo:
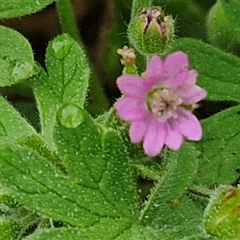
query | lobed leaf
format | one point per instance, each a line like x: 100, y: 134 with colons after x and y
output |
x: 105, y: 194
x: 66, y: 81
x: 16, y: 57
x: 18, y: 8
x: 102, y: 166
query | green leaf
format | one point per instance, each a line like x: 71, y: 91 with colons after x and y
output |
x: 220, y: 33
x: 231, y: 9
x: 167, y: 207
x: 114, y: 231
x: 66, y: 81
x: 38, y: 184
x: 221, y: 217
x: 16, y: 57
x: 12, y: 125
x: 18, y: 8
x: 105, y: 194
x: 59, y: 234
x: 219, y: 148
x: 81, y: 149
x: 36, y: 143
x: 219, y: 72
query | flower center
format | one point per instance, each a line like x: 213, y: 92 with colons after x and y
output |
x: 162, y: 103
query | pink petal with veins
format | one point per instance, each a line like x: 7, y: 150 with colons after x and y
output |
x: 174, y: 138
x: 130, y: 109
x: 191, y: 94
x: 191, y: 77
x: 175, y: 63
x: 188, y: 125
x: 131, y: 85
x: 154, y: 138
x: 154, y: 70
x: 137, y: 131
x: 176, y: 81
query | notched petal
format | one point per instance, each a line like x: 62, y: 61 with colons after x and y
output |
x: 175, y: 63
x: 174, y: 138
x: 137, y: 131
x: 154, y: 70
x: 191, y: 94
x: 130, y: 109
x: 188, y: 125
x: 131, y: 85
x: 154, y: 138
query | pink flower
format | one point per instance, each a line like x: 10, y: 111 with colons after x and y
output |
x: 157, y: 104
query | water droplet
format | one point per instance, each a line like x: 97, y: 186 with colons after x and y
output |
x: 21, y: 70
x: 61, y: 47
x: 70, y: 116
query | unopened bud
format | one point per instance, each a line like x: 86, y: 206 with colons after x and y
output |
x: 128, y: 60
x: 151, y: 31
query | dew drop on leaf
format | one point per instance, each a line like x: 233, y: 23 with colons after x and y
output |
x: 21, y: 70
x: 70, y: 116
x: 61, y: 47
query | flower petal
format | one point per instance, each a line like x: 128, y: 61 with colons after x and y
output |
x: 131, y: 85
x: 174, y: 138
x: 154, y: 70
x: 130, y: 109
x: 191, y: 77
x: 154, y: 138
x: 137, y: 131
x: 174, y: 64
x: 188, y: 125
x: 191, y: 94
x: 179, y: 79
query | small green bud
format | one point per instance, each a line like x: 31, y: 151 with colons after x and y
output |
x: 128, y: 60
x: 151, y: 31
x: 222, y: 215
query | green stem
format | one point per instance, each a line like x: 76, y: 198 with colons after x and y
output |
x: 67, y: 19
x: 69, y: 25
x: 138, y: 4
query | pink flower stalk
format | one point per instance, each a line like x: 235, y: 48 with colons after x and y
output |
x: 157, y: 104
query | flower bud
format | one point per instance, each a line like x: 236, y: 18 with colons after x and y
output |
x: 151, y: 31
x: 222, y: 215
x: 128, y: 60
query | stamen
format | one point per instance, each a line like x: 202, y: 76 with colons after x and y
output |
x: 163, y: 103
